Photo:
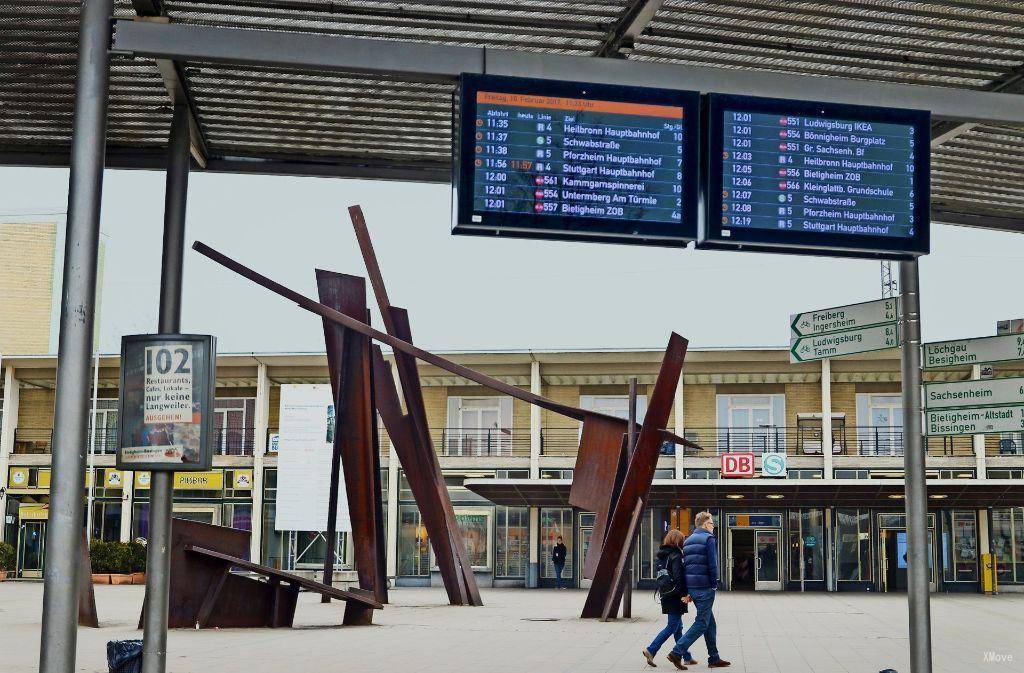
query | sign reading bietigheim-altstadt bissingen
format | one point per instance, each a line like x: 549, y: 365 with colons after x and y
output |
x: 166, y: 404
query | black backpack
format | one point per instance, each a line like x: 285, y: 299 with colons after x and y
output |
x: 663, y: 578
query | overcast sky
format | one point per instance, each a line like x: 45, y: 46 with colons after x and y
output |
x: 470, y: 293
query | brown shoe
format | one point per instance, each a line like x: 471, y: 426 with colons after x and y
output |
x: 676, y: 660
x: 721, y: 663
x: 691, y: 662
x: 649, y: 657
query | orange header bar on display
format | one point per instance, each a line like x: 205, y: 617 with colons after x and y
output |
x: 579, y: 104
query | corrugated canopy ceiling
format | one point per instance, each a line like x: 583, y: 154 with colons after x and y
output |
x: 348, y: 124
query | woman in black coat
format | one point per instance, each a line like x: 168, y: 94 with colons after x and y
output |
x: 673, y: 603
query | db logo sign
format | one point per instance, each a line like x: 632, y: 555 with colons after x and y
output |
x: 737, y: 465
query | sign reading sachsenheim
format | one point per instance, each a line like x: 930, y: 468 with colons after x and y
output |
x: 166, y: 404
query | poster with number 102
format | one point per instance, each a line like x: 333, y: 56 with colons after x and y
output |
x: 166, y: 403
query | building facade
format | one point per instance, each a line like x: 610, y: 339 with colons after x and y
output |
x: 832, y: 521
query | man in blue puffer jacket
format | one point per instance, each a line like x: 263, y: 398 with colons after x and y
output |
x: 700, y: 564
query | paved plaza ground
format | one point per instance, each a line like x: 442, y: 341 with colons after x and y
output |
x: 520, y: 631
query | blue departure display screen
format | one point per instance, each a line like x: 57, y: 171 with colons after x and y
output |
x: 804, y: 176
x: 577, y: 161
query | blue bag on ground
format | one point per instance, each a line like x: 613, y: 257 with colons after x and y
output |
x: 124, y: 656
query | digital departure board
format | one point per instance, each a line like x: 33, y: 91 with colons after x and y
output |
x: 821, y: 178
x: 575, y: 161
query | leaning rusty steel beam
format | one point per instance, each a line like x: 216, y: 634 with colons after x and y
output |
x: 598, y: 464
x: 396, y: 343
x: 602, y: 599
x: 429, y: 489
x: 348, y: 362
x: 494, y: 384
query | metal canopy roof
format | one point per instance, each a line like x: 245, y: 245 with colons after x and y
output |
x: 973, y: 493
x: 275, y: 119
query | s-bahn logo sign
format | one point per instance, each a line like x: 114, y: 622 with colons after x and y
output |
x: 737, y: 465
x: 773, y: 465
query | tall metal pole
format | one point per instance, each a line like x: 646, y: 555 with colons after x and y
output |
x: 92, y: 450
x: 627, y: 591
x: 64, y: 529
x: 158, y: 566
x: 915, y: 491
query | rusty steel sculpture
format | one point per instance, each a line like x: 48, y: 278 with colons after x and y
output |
x: 205, y: 593
x: 355, y: 446
x: 608, y: 479
x: 410, y: 436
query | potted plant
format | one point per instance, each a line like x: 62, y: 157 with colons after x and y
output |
x: 7, y: 560
x: 99, y: 559
x: 138, y: 562
x: 120, y: 563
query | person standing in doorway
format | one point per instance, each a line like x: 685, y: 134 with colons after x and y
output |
x: 558, y: 560
x: 700, y: 565
x: 671, y: 582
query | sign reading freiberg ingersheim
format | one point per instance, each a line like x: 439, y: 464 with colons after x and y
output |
x: 843, y: 330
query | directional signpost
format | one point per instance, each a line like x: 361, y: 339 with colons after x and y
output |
x: 972, y: 351
x: 974, y: 407
x: 843, y: 330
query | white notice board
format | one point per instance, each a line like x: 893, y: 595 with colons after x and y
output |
x: 306, y: 430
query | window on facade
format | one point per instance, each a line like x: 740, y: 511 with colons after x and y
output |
x: 556, y: 474
x: 701, y: 473
x: 105, y: 423
x: 413, y: 546
x: 475, y: 525
x: 879, y: 424
x: 805, y: 474
x: 958, y: 473
x: 806, y: 545
x: 851, y: 474
x: 614, y: 405
x: 1008, y: 544
x: 233, y: 419
x: 512, y: 541
x: 555, y: 522
x: 1005, y: 474
x: 664, y: 473
x: 478, y: 426
x: 959, y: 546
x: 853, y: 545
x: 755, y: 423
x: 512, y: 474
x: 106, y: 521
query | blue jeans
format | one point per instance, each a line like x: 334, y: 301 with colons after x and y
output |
x: 703, y: 625
x: 559, y: 567
x: 673, y: 629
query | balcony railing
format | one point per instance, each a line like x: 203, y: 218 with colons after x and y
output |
x: 233, y: 441
x: 806, y: 441
x: 559, y: 441
x: 1005, y: 444
x: 226, y: 441
x: 481, y: 441
x: 32, y: 440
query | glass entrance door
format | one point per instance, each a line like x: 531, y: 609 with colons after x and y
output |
x: 893, y: 555
x: 768, y: 576
x: 31, y: 548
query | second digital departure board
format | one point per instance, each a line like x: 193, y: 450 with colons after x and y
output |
x: 576, y: 161
x: 823, y: 178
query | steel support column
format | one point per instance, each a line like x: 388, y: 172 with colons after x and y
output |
x: 914, y: 463
x: 64, y: 529
x: 158, y: 568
